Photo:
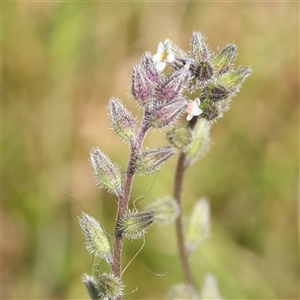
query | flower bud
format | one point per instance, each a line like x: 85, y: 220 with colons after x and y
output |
x: 134, y: 224
x: 201, y: 141
x: 144, y: 80
x: 91, y: 286
x: 167, y: 114
x: 150, y: 69
x: 122, y: 120
x: 234, y: 79
x: 96, y: 239
x: 223, y: 60
x: 214, y: 92
x: 172, y: 86
x: 182, y: 291
x: 199, y: 225
x: 151, y: 160
x: 210, y: 112
x: 107, y: 174
x: 204, y: 71
x: 210, y: 288
x: 166, y: 210
x: 199, y: 48
x: 110, y: 287
x: 180, y: 138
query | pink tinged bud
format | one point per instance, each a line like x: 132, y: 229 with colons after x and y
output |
x: 142, y: 88
x: 167, y: 114
x: 151, y: 160
x: 96, y: 239
x: 122, y: 120
x: 91, y: 286
x: 173, y: 86
x: 150, y: 69
x: 110, y: 287
x: 106, y: 173
x: 135, y: 224
x: 199, y: 48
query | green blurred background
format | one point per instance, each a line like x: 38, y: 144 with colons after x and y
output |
x: 62, y: 61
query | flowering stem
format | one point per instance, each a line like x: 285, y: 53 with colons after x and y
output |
x: 178, y: 182
x: 136, y: 146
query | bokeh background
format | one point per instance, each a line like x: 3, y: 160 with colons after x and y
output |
x: 62, y: 61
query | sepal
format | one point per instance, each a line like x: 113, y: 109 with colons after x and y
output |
x: 223, y: 60
x: 96, y: 239
x: 166, y: 115
x: 166, y: 210
x: 201, y: 141
x: 110, y: 287
x: 91, y: 286
x: 180, y: 138
x: 182, y: 291
x: 123, y: 123
x: 134, y: 224
x: 151, y: 160
x: 198, y: 227
x: 106, y: 173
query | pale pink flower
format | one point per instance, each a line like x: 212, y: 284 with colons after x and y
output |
x: 193, y: 109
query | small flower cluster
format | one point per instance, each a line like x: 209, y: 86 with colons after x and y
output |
x: 211, y: 74
x: 164, y: 97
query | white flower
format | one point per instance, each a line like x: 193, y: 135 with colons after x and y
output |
x: 164, y: 55
x: 193, y: 109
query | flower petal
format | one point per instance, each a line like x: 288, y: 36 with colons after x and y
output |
x: 189, y: 117
x: 160, y: 66
x: 160, y: 47
x: 170, y: 57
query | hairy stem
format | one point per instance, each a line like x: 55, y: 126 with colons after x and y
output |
x: 178, y: 182
x: 136, y: 146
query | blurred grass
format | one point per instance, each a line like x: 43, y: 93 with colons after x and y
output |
x: 62, y: 61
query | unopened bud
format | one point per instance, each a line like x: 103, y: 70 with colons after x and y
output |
x: 210, y: 288
x: 122, y: 120
x: 180, y: 138
x: 214, y: 92
x: 172, y: 86
x: 223, y: 60
x: 106, y: 173
x: 204, y: 71
x: 91, y: 286
x: 209, y: 111
x: 166, y: 210
x: 151, y: 160
x: 150, y: 69
x: 110, y: 287
x: 96, y: 239
x: 199, y: 48
x: 167, y: 114
x: 182, y: 291
x: 234, y: 79
x: 134, y: 224
x: 142, y: 88
x: 201, y: 141
x: 199, y: 225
